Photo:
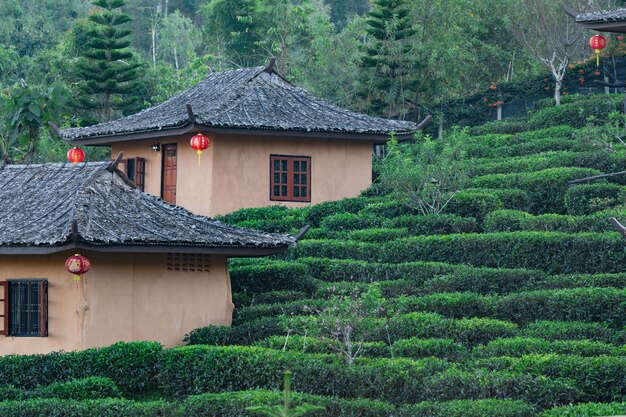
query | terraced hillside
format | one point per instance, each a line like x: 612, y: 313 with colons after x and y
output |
x: 511, y: 303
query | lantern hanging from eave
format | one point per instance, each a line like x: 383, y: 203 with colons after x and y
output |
x: 77, y: 265
x: 75, y: 155
x: 597, y: 43
x: 200, y: 142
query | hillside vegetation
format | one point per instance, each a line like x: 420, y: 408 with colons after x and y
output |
x: 511, y: 302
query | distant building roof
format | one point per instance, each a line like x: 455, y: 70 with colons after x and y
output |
x: 54, y: 207
x: 250, y: 98
x: 605, y: 21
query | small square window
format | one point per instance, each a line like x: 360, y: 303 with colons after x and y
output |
x: 290, y: 178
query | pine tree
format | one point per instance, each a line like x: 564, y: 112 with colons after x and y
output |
x: 108, y: 68
x: 388, y: 58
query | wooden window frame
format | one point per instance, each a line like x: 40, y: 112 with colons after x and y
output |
x: 292, y: 187
x: 42, y: 310
x: 138, y: 170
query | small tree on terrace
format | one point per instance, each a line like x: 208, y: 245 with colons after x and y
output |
x: 550, y: 35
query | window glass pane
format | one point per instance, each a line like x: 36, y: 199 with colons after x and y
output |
x: 303, y: 166
x: 303, y: 193
x: 276, y: 177
x: 296, y: 166
x: 276, y: 165
x: 296, y: 178
x: 303, y: 178
x: 284, y: 165
x: 284, y: 181
x: 130, y: 169
x: 284, y: 191
x: 296, y: 191
x: 276, y: 190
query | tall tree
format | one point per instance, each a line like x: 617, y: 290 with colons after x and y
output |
x: 178, y: 39
x: 549, y: 35
x: 108, y: 68
x: 388, y: 59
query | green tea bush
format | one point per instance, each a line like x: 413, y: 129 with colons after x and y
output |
x: 506, y: 127
x: 260, y: 213
x: 590, y: 198
x: 455, y: 384
x: 112, y: 407
x: 316, y: 213
x: 79, y: 389
x: 11, y: 393
x: 296, y: 343
x: 351, y: 221
x: 546, y: 188
x: 576, y: 113
x: 435, y: 224
x: 197, y: 369
x: 377, y: 235
x: 389, y: 209
x: 270, y: 275
x: 604, y: 305
x: 469, y: 408
x: 587, y: 410
x: 473, y: 203
x: 131, y: 366
x: 555, y: 253
x: 568, y: 330
x: 327, y: 248
x: 484, y: 280
x: 244, y: 334
x: 578, y: 281
x: 455, y: 305
x: 423, y: 348
x: 282, y: 296
x: 512, y: 220
x: 521, y: 346
x: 599, y: 378
x: 298, y: 307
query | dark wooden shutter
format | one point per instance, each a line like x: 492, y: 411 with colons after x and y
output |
x: 43, y: 308
x: 4, y: 312
x: 140, y: 173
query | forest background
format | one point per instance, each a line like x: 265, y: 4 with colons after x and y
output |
x: 401, y: 59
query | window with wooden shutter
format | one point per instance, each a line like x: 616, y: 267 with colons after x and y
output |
x: 26, y: 308
x: 290, y: 178
x: 4, y: 308
x: 136, y: 171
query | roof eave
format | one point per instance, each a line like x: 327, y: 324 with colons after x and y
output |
x: 235, y: 252
x: 154, y: 134
x: 612, y: 27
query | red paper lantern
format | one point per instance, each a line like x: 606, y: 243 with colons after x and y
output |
x: 597, y: 43
x: 200, y: 142
x: 75, y: 155
x: 77, y: 265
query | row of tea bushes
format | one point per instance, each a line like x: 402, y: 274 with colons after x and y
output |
x: 235, y: 404
x: 514, y: 220
x: 602, y: 305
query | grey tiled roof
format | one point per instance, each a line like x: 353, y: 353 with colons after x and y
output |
x: 249, y: 98
x: 39, y: 203
x: 616, y: 15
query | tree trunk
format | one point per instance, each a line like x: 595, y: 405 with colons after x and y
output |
x: 499, y: 112
x: 557, y: 93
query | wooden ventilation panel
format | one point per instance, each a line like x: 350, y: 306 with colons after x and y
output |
x: 188, y: 262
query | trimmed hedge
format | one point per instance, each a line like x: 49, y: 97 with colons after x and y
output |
x: 568, y: 330
x: 521, y: 346
x: 318, y: 212
x: 270, y: 275
x: 576, y: 113
x: 131, y: 366
x: 351, y: 221
x: 455, y: 384
x: 513, y: 220
x: 587, y: 410
x: 474, y: 203
x: 327, y: 248
x: 270, y: 297
x: 89, y: 388
x: 600, y: 378
x: 579, y: 281
x: 484, y: 280
x: 468, y: 408
x: 590, y: 198
x: 377, y: 235
x: 198, y: 369
x: 555, y: 253
x: 423, y: 348
x: 546, y: 188
x: 435, y: 224
x: 115, y: 407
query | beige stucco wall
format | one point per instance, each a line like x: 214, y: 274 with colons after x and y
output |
x: 234, y: 172
x: 124, y: 297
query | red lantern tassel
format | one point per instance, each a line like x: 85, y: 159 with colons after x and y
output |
x: 597, y: 57
x: 199, y: 155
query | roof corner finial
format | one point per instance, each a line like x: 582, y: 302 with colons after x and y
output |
x: 421, y: 125
x: 270, y: 66
x: 192, y: 117
x: 113, y: 165
x: 55, y: 129
x: 74, y: 234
